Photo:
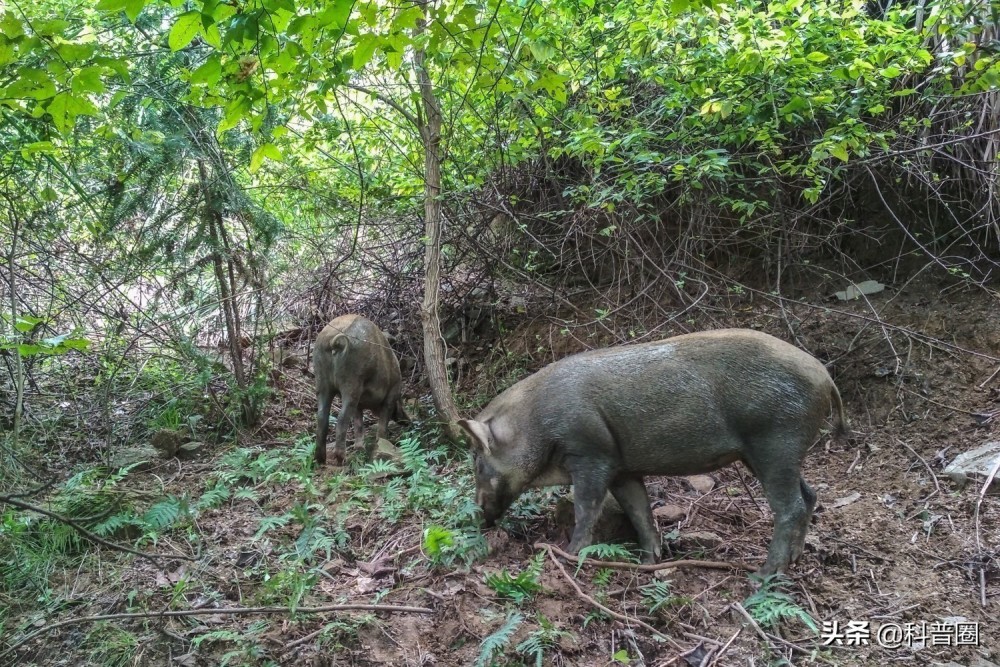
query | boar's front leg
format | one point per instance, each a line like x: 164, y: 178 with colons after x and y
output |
x: 631, y: 494
x: 590, y: 485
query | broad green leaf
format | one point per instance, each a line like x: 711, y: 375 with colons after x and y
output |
x: 10, y: 25
x: 364, y: 50
x: 269, y: 151
x: 209, y: 73
x: 65, y: 107
x: 25, y: 323
x: 88, y: 80
x: 817, y: 57
x: 335, y: 14
x: 112, y: 5
x: 212, y: 35
x: 542, y: 51
x: 890, y: 72
x: 50, y: 28
x: 235, y: 112
x: 48, y: 194
x: 33, y: 83
x: 184, y: 30
x: 133, y: 8
x: 838, y: 151
x: 71, y: 52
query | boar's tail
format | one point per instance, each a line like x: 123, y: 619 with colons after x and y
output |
x: 841, y: 431
x: 336, y: 345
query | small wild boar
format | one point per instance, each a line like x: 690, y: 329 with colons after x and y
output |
x: 602, y: 419
x: 352, y: 358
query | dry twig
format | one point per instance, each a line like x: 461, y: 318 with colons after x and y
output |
x: 711, y: 564
x: 610, y: 612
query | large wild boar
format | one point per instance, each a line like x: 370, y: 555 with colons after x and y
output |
x: 603, y: 419
x: 352, y: 358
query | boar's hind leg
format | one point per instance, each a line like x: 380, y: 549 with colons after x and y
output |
x: 810, y: 498
x: 322, y: 424
x: 631, y: 494
x: 348, y: 411
x: 782, y: 484
x: 590, y: 486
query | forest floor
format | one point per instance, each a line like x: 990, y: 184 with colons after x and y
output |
x: 893, y: 543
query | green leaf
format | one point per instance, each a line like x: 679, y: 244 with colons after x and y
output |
x: 133, y: 8
x: 890, y: 72
x: 209, y: 73
x: 48, y: 194
x: 71, y: 51
x: 365, y: 49
x: 817, y: 57
x: 65, y: 107
x: 10, y: 25
x: 88, y: 80
x: 25, y: 323
x: 31, y: 83
x: 184, y: 30
x: 336, y: 14
x: 112, y: 5
x: 269, y: 151
x: 838, y: 151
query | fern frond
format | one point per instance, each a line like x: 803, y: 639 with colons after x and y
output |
x: 499, y: 640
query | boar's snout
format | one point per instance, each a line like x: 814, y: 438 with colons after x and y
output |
x: 492, y: 492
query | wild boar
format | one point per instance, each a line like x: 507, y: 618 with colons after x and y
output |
x: 352, y: 358
x: 601, y: 420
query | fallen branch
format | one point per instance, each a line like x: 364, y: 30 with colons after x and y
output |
x: 610, y: 612
x: 155, y: 558
x: 211, y: 611
x: 711, y: 564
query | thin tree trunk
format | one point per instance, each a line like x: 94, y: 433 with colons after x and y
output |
x: 434, y: 345
x: 226, y: 298
x: 18, y: 362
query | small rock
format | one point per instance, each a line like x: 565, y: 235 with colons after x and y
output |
x: 669, y: 513
x: 142, y: 457
x: 978, y: 464
x: 386, y: 451
x: 190, y: 450
x: 701, y: 539
x: 701, y: 483
x: 846, y: 500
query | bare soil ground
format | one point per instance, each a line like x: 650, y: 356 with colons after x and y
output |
x: 893, y: 540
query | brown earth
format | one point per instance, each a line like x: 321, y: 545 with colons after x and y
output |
x: 893, y: 540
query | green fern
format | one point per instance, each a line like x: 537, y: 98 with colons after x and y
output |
x: 541, y: 640
x: 269, y: 523
x: 214, y: 497
x: 615, y: 552
x: 164, y: 513
x: 771, y: 604
x: 518, y: 588
x: 497, y: 642
x: 657, y: 595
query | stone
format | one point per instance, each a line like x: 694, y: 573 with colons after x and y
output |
x: 976, y: 465
x: 701, y: 483
x: 142, y: 457
x: 386, y: 451
x: 700, y: 539
x: 669, y: 513
x: 190, y: 450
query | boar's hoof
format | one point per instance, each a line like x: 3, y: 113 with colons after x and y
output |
x: 338, y: 457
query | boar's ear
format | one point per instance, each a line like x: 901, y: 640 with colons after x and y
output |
x: 479, y: 434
